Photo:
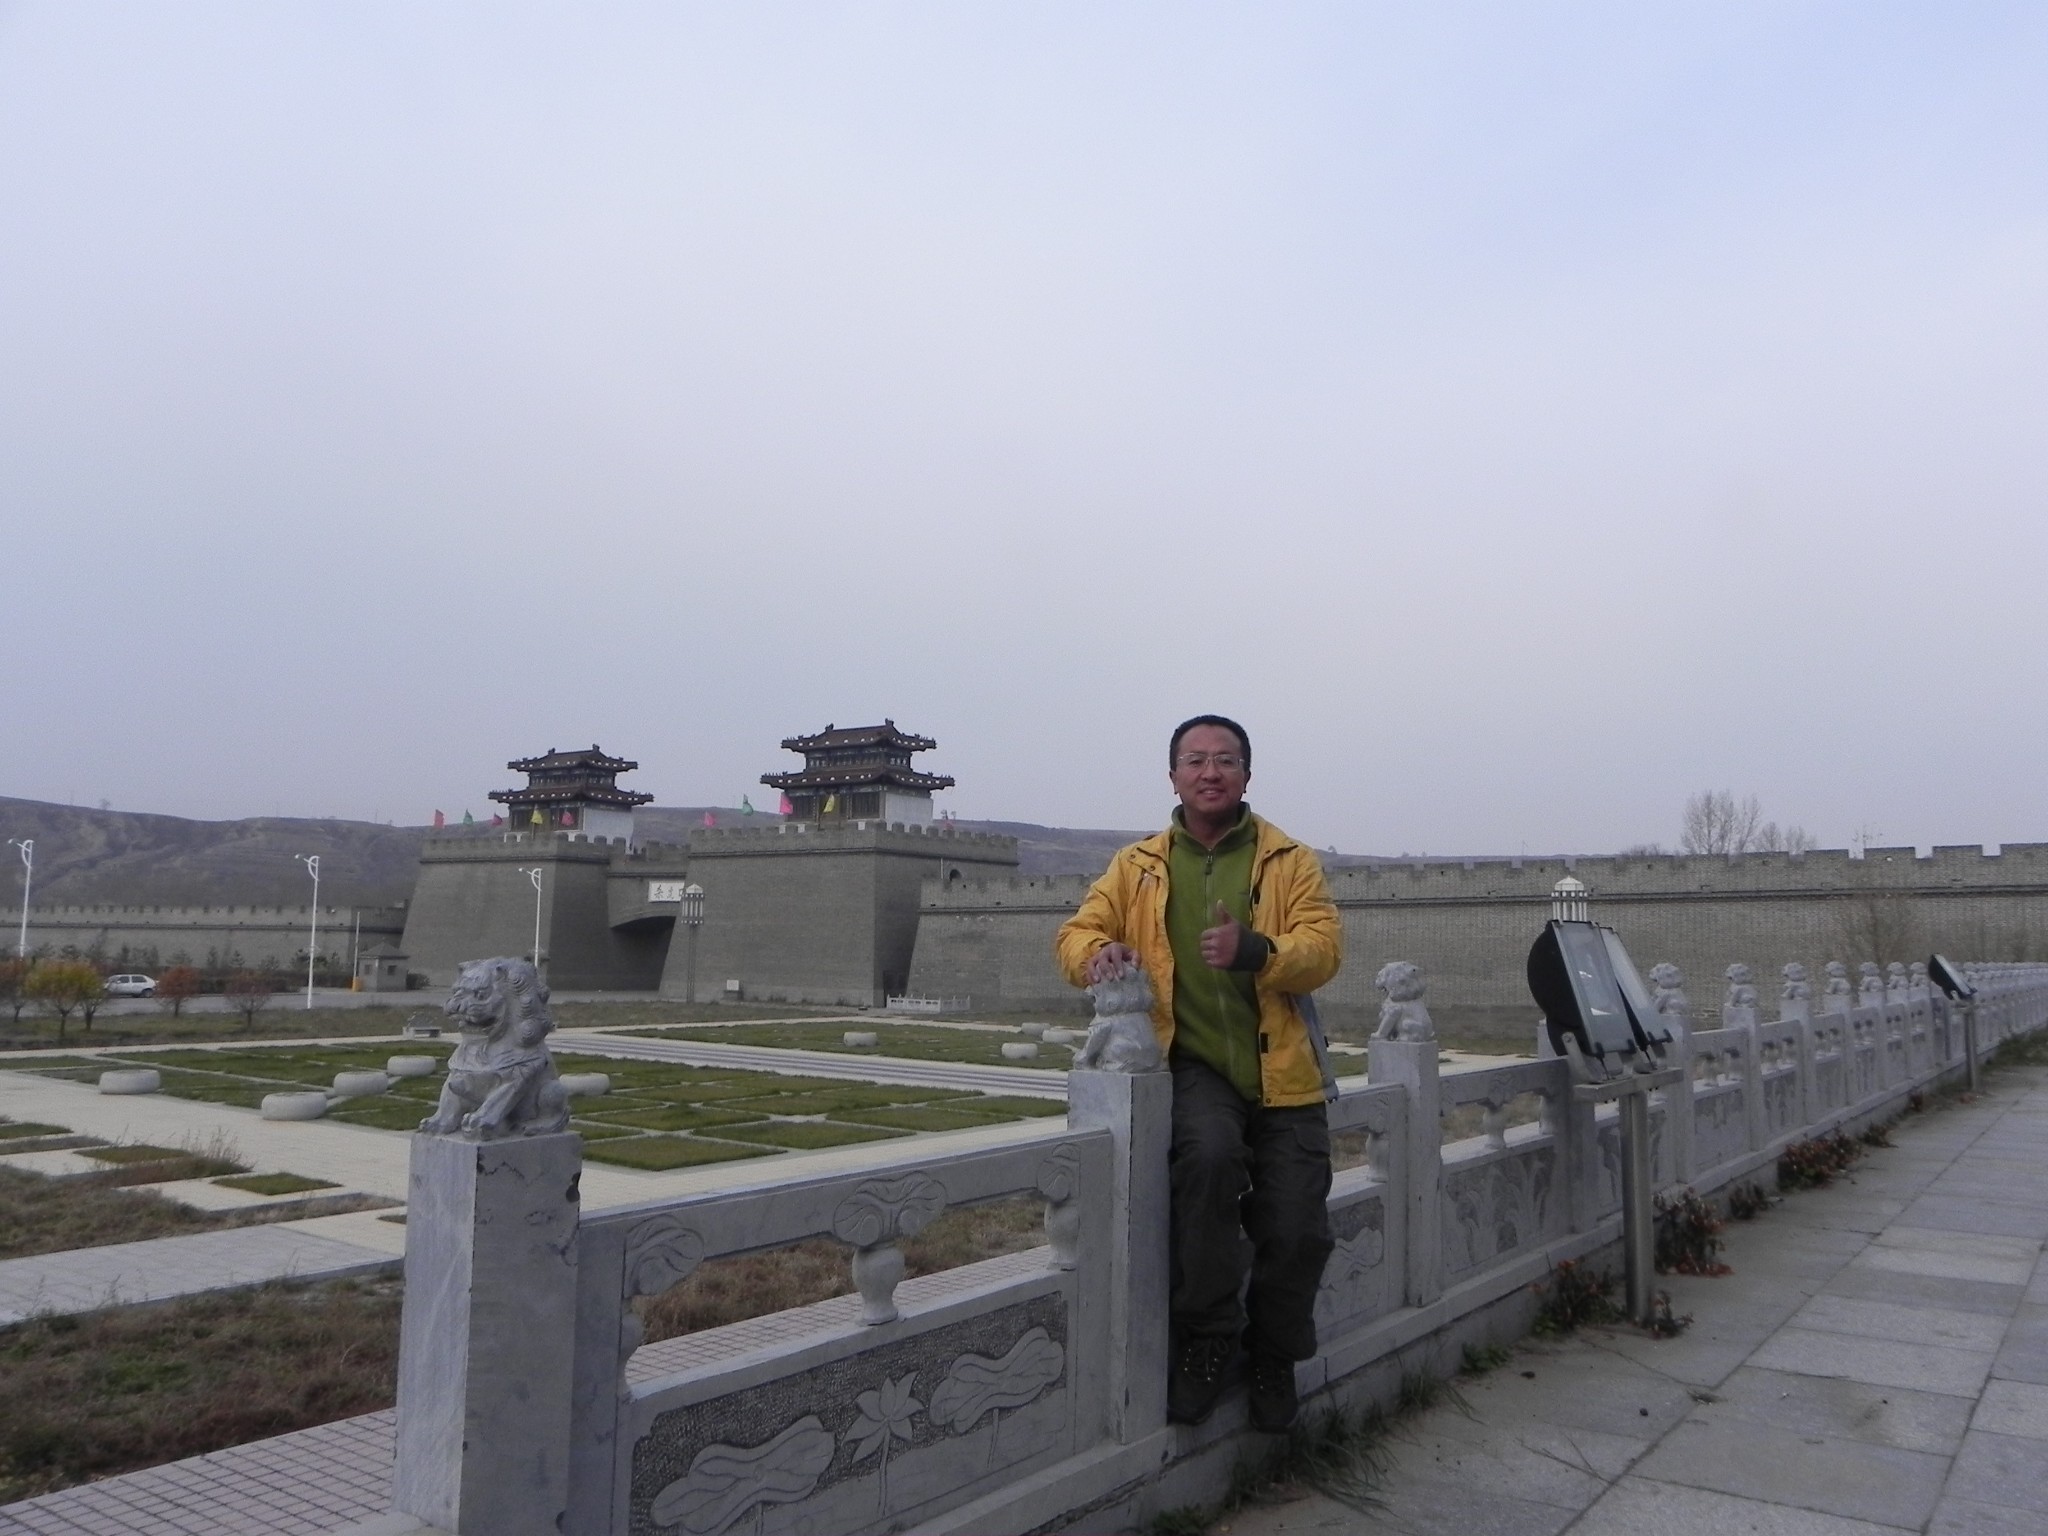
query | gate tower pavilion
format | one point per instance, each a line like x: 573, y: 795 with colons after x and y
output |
x: 859, y: 773
x: 572, y: 792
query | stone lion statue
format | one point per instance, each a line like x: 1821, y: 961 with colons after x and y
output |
x: 1797, y: 988
x: 1741, y: 987
x: 1404, y: 1015
x: 1122, y: 1038
x: 501, y: 1079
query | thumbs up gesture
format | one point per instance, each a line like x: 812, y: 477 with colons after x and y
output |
x: 1219, y: 943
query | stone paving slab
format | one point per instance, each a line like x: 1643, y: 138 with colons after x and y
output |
x: 87, y: 1279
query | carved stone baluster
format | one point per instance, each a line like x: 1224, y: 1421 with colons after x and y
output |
x: 1059, y: 1182
x: 1495, y: 1124
x: 872, y: 1218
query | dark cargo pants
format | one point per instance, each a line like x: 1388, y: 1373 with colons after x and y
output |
x: 1238, y: 1171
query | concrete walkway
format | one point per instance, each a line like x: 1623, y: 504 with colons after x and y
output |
x: 1877, y: 1363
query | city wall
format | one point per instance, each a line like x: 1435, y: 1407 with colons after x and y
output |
x: 597, y: 931
x: 806, y: 914
x: 1469, y: 924
x: 147, y: 938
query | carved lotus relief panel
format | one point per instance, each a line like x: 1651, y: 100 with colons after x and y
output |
x: 1355, y: 1281
x: 1497, y: 1207
x: 841, y: 1438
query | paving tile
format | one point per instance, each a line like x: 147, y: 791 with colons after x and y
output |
x: 1989, y: 1245
x: 1841, y: 1408
x: 1907, y: 1324
x: 1637, y: 1506
x: 1850, y: 1478
x: 1955, y: 1516
x: 1954, y: 1213
x: 1935, y: 1290
x: 2013, y: 1408
x: 1945, y: 1264
x: 1880, y: 1362
x: 2002, y: 1469
x: 1577, y: 1387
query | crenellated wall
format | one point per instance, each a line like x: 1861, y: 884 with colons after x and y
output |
x: 144, y: 937
x: 1469, y: 923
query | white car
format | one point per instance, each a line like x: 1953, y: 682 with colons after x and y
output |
x: 131, y: 986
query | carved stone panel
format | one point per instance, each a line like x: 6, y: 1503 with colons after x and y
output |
x: 1497, y: 1206
x: 1356, y: 1282
x: 849, y: 1443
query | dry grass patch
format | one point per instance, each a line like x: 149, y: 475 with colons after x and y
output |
x: 731, y: 1290
x: 111, y: 1392
x: 39, y: 1215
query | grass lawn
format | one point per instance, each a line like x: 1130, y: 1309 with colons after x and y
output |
x: 39, y: 1215
x: 919, y: 1042
x: 285, y: 1018
x: 108, y: 1392
x: 658, y: 1115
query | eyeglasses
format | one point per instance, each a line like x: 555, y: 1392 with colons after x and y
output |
x: 1228, y: 762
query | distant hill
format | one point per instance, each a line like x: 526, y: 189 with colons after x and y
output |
x: 85, y: 855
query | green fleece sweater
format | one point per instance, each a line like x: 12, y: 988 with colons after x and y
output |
x: 1215, y: 1013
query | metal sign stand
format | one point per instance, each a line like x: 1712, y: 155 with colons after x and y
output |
x: 1638, y: 1218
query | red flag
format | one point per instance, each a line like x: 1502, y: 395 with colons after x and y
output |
x: 497, y: 821
x: 568, y: 818
x: 787, y: 808
x: 710, y: 820
x: 440, y: 820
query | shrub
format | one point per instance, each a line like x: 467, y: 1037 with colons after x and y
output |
x: 1574, y: 1295
x: 176, y: 985
x: 1815, y: 1162
x: 1746, y: 1202
x: 1686, y: 1242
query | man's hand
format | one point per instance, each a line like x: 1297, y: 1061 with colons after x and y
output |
x: 1111, y: 960
x: 1219, y: 944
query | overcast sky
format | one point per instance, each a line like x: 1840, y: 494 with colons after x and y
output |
x: 1520, y: 417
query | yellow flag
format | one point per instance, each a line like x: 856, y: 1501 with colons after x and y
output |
x: 535, y: 818
x: 831, y: 804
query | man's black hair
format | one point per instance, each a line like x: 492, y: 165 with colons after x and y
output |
x: 1244, y: 742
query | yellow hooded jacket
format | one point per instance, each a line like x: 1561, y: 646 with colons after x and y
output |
x: 1291, y: 906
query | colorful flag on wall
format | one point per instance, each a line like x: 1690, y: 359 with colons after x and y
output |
x: 468, y: 820
x: 440, y: 820
x: 746, y: 806
x: 535, y: 818
x: 831, y: 804
x: 787, y: 808
x: 710, y: 820
x: 497, y: 820
x: 568, y: 818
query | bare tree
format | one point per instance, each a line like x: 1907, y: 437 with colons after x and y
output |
x: 1716, y: 822
x: 1879, y: 925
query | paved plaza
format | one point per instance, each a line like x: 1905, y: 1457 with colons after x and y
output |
x: 1877, y: 1363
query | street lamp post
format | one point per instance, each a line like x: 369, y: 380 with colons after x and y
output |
x: 312, y: 863
x: 27, y: 845
x: 692, y: 918
x: 535, y: 875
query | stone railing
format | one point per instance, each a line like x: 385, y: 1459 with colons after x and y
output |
x: 1029, y: 1392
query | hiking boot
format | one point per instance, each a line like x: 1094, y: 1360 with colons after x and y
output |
x: 1196, y: 1380
x: 1270, y: 1391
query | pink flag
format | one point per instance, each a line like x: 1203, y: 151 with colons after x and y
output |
x: 440, y: 820
x: 710, y: 820
x: 787, y: 808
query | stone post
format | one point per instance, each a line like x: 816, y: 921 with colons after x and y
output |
x: 486, y: 1346
x: 1137, y: 1111
x: 1412, y: 1064
x: 1678, y: 1112
x: 1753, y: 1110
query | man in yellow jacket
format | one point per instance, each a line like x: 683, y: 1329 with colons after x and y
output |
x: 1232, y: 922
